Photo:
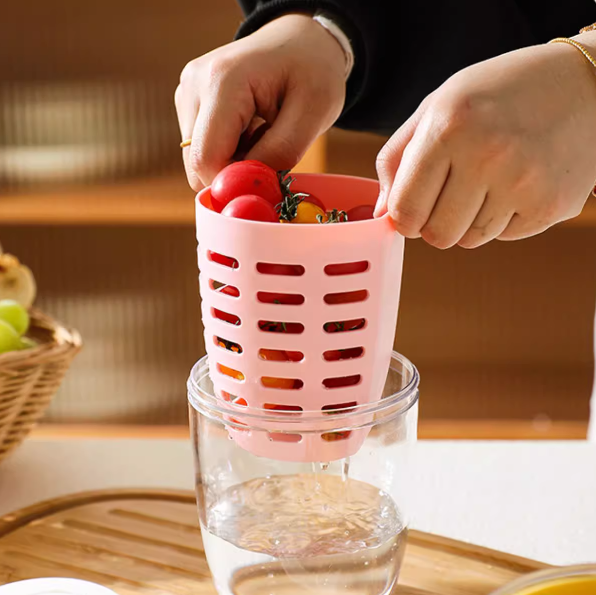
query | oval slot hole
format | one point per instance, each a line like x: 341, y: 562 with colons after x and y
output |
x: 287, y: 408
x: 335, y: 355
x: 291, y: 328
x: 288, y: 270
x: 284, y: 437
x: 342, y: 381
x: 336, y: 436
x: 346, y: 297
x: 277, y: 355
x: 226, y: 261
x: 235, y: 374
x: 282, y: 383
x: 286, y: 299
x: 229, y: 345
x: 344, y: 326
x: 223, y: 288
x: 346, y: 268
x: 230, y: 398
x: 333, y: 409
x: 225, y: 316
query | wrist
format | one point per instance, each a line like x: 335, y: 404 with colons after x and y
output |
x: 309, y: 33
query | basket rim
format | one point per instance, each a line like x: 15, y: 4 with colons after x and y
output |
x: 64, y: 339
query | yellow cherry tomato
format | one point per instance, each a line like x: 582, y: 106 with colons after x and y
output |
x: 276, y: 356
x: 307, y: 212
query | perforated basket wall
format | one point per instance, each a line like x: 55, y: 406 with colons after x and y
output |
x: 300, y: 317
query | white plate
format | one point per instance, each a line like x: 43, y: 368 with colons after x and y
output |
x: 54, y: 586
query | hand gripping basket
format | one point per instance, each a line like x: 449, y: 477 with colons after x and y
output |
x: 299, y: 319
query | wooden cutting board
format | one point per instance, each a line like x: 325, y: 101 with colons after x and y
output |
x: 149, y: 542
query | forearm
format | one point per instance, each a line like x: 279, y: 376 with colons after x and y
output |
x: 404, y: 50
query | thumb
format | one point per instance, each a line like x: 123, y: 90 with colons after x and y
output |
x: 297, y: 126
x: 389, y: 159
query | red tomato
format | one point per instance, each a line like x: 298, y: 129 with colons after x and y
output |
x: 245, y: 178
x: 290, y: 270
x: 229, y: 290
x: 334, y: 436
x: 313, y: 199
x: 251, y: 207
x: 290, y: 299
x: 340, y: 354
x: 361, y: 212
x: 226, y: 261
x: 347, y: 297
x: 347, y: 268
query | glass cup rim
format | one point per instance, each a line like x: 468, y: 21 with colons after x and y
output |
x: 545, y: 577
x: 399, y: 402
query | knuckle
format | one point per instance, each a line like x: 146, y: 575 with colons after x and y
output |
x: 189, y: 72
x: 407, y: 218
x: 437, y: 237
x: 178, y: 96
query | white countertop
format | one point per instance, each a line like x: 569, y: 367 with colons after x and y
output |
x: 533, y: 499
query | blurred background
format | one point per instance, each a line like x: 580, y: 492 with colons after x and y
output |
x: 94, y: 199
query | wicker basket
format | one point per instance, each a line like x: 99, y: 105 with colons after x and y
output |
x: 30, y: 378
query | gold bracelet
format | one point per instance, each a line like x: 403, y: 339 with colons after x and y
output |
x: 578, y: 46
x: 588, y: 28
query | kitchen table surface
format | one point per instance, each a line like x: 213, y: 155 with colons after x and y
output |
x: 533, y: 499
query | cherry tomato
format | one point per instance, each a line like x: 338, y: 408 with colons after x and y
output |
x: 281, y: 327
x: 307, y: 212
x: 290, y: 299
x: 347, y: 297
x: 346, y: 268
x: 361, y: 212
x: 245, y: 178
x: 226, y: 261
x: 313, y: 199
x: 229, y: 290
x: 274, y: 355
x: 339, y: 354
x: 251, y: 207
x: 232, y: 373
x: 334, y: 436
x: 290, y: 270
x: 226, y: 317
x: 290, y: 408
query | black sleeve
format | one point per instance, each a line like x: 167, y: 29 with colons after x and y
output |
x: 406, y: 49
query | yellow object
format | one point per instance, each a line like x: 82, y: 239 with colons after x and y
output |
x: 307, y: 212
x: 186, y: 143
x: 578, y: 46
x: 16, y: 281
x: 564, y: 586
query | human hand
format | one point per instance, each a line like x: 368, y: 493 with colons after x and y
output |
x: 290, y: 74
x: 503, y: 149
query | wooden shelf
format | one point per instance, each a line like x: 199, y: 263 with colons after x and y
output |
x: 159, y: 201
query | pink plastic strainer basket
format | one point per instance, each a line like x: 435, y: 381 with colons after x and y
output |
x: 338, y: 329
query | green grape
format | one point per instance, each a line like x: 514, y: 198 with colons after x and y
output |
x: 26, y: 343
x: 13, y: 313
x: 9, y: 338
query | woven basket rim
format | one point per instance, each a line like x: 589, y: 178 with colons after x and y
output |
x: 63, y: 339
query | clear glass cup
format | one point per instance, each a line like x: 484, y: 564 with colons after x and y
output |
x: 568, y: 580
x: 273, y: 527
